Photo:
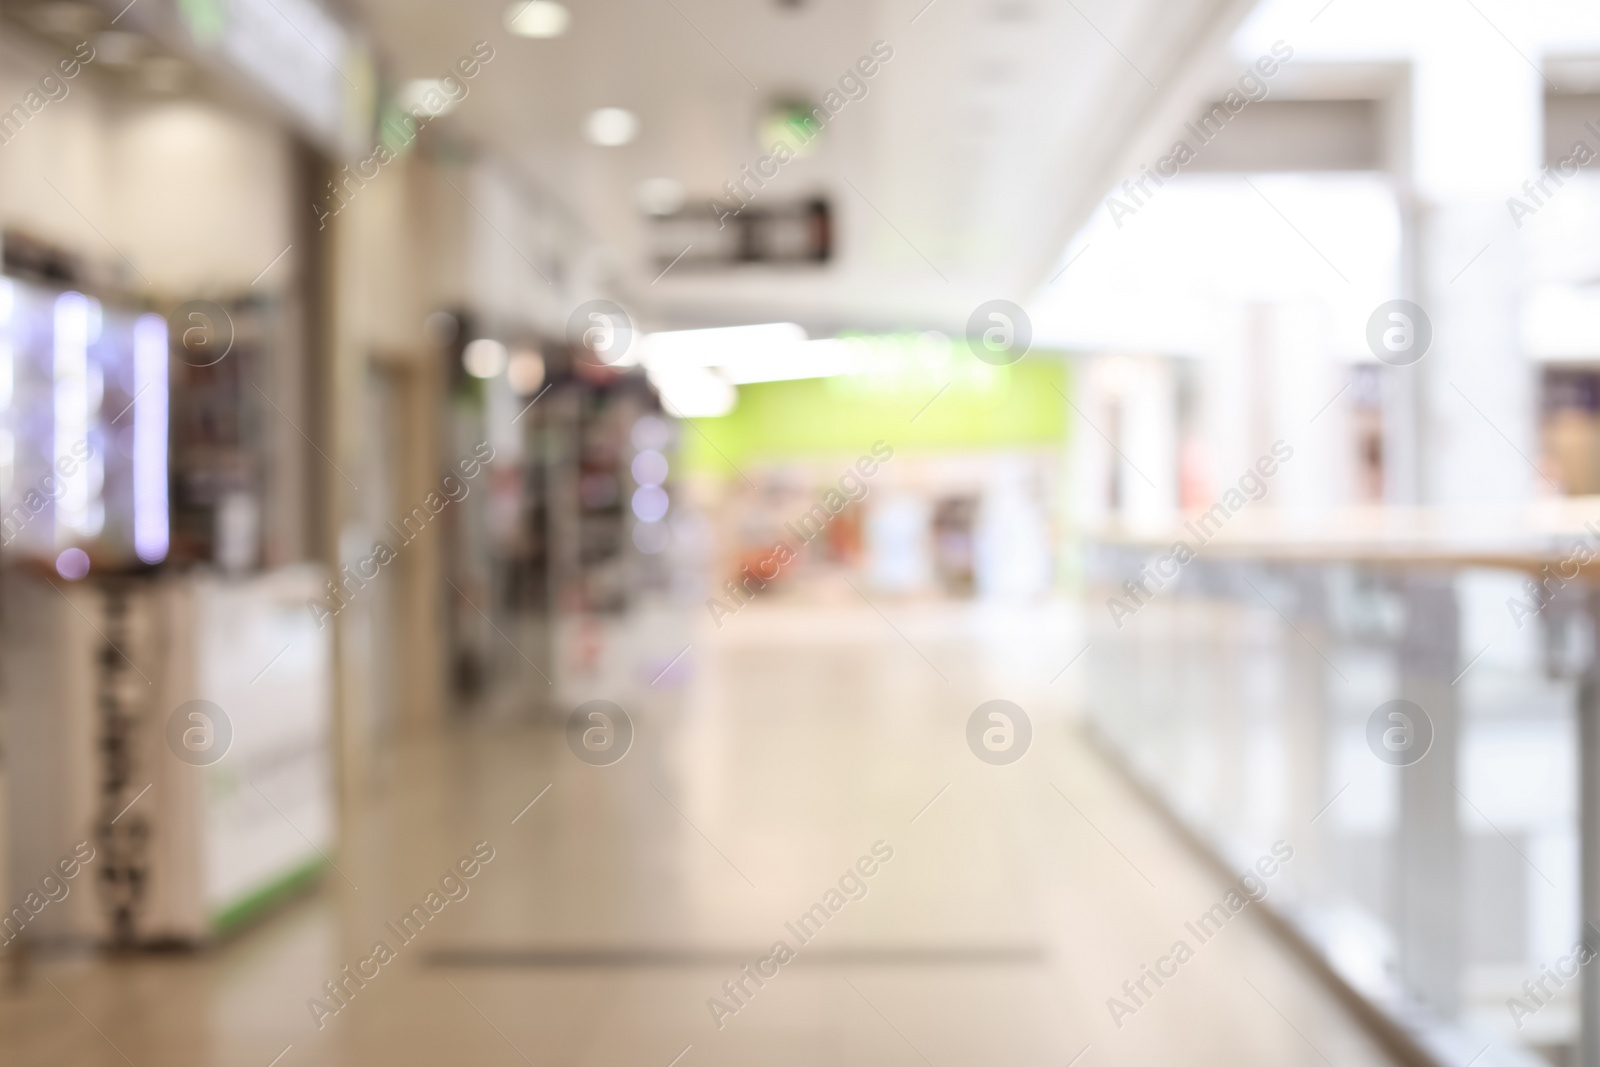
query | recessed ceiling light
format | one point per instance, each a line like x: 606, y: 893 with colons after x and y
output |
x: 537, y: 18
x: 611, y: 126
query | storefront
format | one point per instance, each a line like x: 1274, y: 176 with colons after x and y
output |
x: 163, y: 324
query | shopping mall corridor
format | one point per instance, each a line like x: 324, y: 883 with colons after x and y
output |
x: 1002, y: 906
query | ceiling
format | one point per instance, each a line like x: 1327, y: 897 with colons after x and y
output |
x: 978, y: 150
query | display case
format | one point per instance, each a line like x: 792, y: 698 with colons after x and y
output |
x: 83, y: 429
x: 222, y: 803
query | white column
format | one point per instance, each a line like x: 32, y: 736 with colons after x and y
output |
x: 1477, y: 131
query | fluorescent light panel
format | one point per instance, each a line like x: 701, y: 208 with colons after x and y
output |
x: 745, y: 355
x: 70, y: 389
x: 151, y: 534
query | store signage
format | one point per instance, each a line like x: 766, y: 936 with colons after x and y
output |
x: 780, y: 232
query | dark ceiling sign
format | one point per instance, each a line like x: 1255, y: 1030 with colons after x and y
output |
x: 797, y: 233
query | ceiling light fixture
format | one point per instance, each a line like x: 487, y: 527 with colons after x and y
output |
x: 537, y: 18
x: 611, y: 127
x: 680, y: 360
x: 693, y: 392
x: 718, y: 345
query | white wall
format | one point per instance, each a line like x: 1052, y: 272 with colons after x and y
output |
x: 201, y: 198
x: 166, y: 196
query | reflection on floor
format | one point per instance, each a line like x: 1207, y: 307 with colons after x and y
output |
x: 969, y: 913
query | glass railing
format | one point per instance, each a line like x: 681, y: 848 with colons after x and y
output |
x: 1410, y: 730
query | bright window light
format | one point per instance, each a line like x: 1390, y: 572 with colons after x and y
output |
x: 1174, y: 277
x: 1561, y: 322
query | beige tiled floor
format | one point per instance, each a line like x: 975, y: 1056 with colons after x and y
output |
x: 793, y: 741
